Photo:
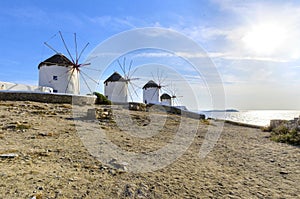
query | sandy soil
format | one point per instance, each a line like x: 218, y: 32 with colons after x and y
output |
x: 53, y: 162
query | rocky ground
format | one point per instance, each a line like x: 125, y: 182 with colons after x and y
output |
x: 44, y: 153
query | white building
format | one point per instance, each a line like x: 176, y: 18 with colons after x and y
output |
x: 58, y: 72
x: 151, y: 93
x: 8, y: 86
x: 166, y: 99
x: 116, y: 88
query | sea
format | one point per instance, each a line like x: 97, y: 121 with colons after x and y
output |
x: 255, y: 117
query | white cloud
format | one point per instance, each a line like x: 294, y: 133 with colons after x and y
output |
x: 154, y: 54
x: 265, y: 31
x: 201, y: 33
x: 269, y: 30
x: 116, y: 23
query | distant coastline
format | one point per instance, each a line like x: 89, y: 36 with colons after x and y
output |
x: 226, y: 110
x: 253, y: 117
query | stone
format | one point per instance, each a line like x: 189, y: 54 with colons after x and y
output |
x: 119, y: 166
x: 290, y: 124
x: 128, y: 190
x: 91, y: 114
x: 9, y: 155
x: 276, y: 123
x: 284, y: 172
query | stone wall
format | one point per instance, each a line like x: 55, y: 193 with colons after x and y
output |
x: 290, y: 124
x: 88, y: 100
x: 178, y: 111
x: 47, y: 98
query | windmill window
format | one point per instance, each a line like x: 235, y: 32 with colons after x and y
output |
x: 55, y: 77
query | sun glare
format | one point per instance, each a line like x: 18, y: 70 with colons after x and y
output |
x: 265, y: 38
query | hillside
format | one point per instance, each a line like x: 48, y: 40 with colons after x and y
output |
x: 46, y: 158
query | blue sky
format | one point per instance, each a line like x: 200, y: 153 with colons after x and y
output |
x: 255, y: 45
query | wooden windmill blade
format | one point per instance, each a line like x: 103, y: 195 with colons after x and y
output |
x: 66, y: 47
x: 160, y: 79
x: 173, y: 92
x: 175, y: 98
x: 122, y: 67
x: 128, y: 76
x: 156, y: 91
x: 73, y: 70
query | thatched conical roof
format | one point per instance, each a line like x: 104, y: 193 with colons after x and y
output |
x: 57, y: 59
x: 165, y: 96
x: 151, y: 84
x: 115, y: 77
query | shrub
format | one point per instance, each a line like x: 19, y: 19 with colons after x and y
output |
x: 205, y: 122
x: 266, y: 129
x: 281, y: 130
x: 101, y: 99
x: 284, y: 135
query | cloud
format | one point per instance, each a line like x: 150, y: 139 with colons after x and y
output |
x: 117, y: 23
x: 26, y: 15
x: 153, y: 55
x: 201, y: 33
x: 265, y: 31
x: 212, y: 55
x: 265, y: 25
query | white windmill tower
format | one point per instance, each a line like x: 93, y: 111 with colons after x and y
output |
x: 56, y: 72
x: 151, y: 92
x: 116, y: 87
x: 63, y: 74
x: 166, y: 99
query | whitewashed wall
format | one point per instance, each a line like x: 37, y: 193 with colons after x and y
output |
x: 167, y: 102
x: 67, y: 82
x: 8, y: 86
x: 116, y: 91
x: 151, y: 95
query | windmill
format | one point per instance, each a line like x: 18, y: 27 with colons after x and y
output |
x: 128, y: 77
x: 152, y: 89
x: 63, y: 73
x: 173, y: 94
x: 117, y: 87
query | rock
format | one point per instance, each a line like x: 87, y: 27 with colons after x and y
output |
x: 284, y: 172
x: 44, y: 134
x: 112, y: 172
x: 12, y: 126
x: 129, y: 190
x: 105, y: 114
x: 276, y: 123
x: 289, y: 124
x: 119, y: 166
x: 91, y: 114
x: 8, y: 155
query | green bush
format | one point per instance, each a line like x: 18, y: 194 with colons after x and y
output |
x: 284, y: 135
x: 101, y: 99
x: 281, y: 130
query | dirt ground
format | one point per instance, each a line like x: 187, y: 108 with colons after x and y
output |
x: 44, y: 154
